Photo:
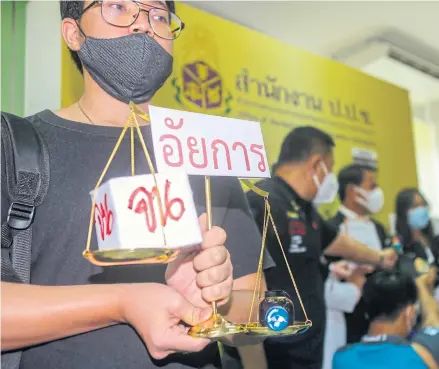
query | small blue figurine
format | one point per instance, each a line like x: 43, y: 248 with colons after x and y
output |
x: 276, y: 310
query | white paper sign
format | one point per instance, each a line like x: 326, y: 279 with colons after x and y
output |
x: 127, y: 213
x: 203, y: 144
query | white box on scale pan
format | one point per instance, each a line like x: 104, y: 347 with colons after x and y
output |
x: 127, y: 213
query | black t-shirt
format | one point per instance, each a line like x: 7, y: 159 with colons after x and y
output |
x: 304, y: 236
x: 78, y: 153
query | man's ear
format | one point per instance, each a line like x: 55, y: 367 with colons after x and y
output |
x: 350, y: 188
x: 410, y: 312
x: 71, y: 34
x: 313, y: 163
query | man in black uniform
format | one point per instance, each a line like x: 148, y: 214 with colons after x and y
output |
x: 303, y: 177
x: 361, y: 197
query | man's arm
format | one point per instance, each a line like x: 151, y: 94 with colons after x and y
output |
x: 429, y: 308
x: 237, y: 309
x: 353, y: 250
x: 334, y: 243
x: 33, y: 314
x: 37, y: 314
x: 425, y: 355
x: 251, y: 350
x: 426, y: 342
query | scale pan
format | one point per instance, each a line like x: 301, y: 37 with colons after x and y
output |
x: 216, y: 327
x: 131, y: 256
x: 255, y: 329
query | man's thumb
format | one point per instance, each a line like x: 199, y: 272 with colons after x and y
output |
x: 192, y: 315
x: 202, y: 220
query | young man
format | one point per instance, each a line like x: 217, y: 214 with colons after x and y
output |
x: 391, y: 304
x: 361, y: 197
x: 303, y: 177
x: 74, y: 314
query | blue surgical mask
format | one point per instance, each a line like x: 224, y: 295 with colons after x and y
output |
x: 419, y: 217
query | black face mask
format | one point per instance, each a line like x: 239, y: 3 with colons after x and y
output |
x: 129, y: 68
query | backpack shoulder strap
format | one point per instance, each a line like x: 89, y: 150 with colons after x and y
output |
x: 27, y: 179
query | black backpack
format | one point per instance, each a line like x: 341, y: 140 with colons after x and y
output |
x: 27, y: 178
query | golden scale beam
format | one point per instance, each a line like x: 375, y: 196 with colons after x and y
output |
x: 217, y: 327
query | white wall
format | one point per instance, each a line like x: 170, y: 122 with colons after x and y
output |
x: 43, y: 57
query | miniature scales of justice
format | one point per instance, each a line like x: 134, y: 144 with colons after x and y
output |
x: 275, y: 311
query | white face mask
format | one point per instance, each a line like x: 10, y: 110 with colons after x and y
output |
x: 327, y: 190
x: 372, y: 200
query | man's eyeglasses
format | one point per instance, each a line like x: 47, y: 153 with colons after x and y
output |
x: 123, y: 13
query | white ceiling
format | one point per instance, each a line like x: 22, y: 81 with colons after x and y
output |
x: 325, y: 27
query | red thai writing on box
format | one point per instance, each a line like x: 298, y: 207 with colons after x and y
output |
x: 105, y: 218
x: 141, y: 201
x: 200, y: 154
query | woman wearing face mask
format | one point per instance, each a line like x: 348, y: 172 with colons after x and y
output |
x: 414, y: 228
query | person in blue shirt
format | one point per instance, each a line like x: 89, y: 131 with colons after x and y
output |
x: 391, y: 298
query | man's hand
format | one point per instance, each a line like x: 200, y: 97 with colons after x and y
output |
x: 387, y: 258
x: 358, y: 276
x: 344, y: 269
x: 427, y: 279
x: 155, y: 311
x: 429, y: 307
x: 340, y: 269
x: 350, y: 272
x: 351, y: 249
x: 205, y: 276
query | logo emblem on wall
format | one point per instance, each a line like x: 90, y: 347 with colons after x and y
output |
x: 201, y: 88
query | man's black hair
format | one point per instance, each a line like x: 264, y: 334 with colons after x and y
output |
x: 351, y: 174
x: 73, y: 9
x: 302, y: 142
x: 387, y: 293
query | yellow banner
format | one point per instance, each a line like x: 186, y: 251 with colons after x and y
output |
x: 224, y: 69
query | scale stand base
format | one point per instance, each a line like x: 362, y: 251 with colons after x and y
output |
x: 131, y: 256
